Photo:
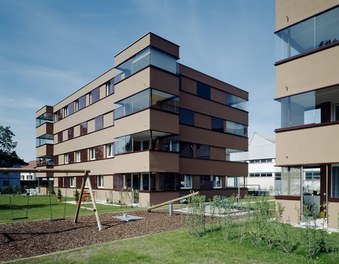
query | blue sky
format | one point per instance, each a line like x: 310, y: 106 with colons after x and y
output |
x: 50, y: 48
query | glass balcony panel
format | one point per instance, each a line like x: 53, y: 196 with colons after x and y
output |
x: 308, y: 35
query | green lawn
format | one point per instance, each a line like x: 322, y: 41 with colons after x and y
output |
x: 44, y: 207
x: 177, y: 247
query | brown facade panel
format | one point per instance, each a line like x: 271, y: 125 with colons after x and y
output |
x: 201, y: 77
x: 211, y: 167
x: 203, y: 136
x: 202, y: 121
x: 210, y: 108
x: 164, y: 81
x: 188, y: 85
x: 157, y: 121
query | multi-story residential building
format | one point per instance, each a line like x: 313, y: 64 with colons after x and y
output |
x: 149, y: 129
x: 307, y: 88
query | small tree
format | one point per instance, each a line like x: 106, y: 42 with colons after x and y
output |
x: 8, y: 157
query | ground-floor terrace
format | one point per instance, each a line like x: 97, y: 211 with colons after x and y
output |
x: 310, y: 192
x: 152, y: 188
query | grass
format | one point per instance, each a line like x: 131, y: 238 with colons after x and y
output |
x: 41, y: 207
x: 177, y: 247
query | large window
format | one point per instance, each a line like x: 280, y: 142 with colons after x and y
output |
x: 186, y: 117
x: 145, y: 99
x: 236, y: 128
x: 44, y: 139
x: 290, y: 180
x: 231, y: 154
x: 164, y: 101
x: 133, y: 104
x: 44, y: 118
x: 236, y: 102
x: 186, y: 182
x: 308, y: 35
x: 146, y: 57
x: 146, y: 140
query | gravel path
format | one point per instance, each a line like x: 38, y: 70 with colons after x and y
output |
x: 25, y: 239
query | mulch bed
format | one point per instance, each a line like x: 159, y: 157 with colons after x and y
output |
x: 26, y: 239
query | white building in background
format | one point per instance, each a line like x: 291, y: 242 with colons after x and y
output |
x: 262, y: 172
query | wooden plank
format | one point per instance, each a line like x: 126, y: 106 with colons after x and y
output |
x: 94, y: 204
x: 80, y: 197
x: 172, y: 201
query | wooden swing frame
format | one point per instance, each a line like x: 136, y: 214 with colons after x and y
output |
x: 84, y: 177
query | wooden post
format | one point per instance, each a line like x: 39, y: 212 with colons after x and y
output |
x: 84, y: 178
x: 94, y: 204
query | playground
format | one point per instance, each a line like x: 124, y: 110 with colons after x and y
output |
x: 33, y: 238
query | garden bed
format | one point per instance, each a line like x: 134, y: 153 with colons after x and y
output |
x: 26, y: 239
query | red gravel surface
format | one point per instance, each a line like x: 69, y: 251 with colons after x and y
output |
x: 26, y: 239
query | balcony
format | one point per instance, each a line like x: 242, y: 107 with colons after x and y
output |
x: 308, y: 145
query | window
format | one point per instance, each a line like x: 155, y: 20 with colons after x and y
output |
x: 94, y: 95
x: 72, y: 182
x: 185, y: 181
x: 186, y: 150
x: 186, y: 117
x: 92, y: 153
x: 217, y: 182
x: 60, y: 138
x: 290, y: 180
x: 110, y: 87
x: 99, y: 122
x: 236, y: 128
x: 217, y: 124
x: 70, y: 133
x: 76, y: 105
x: 65, y: 111
x: 203, y: 90
x: 78, y: 156
x: 236, y: 102
x: 164, y: 101
x: 203, y: 151
x: 313, y: 33
x: 70, y: 108
x: 82, y: 102
x: 144, y: 58
x: 100, y: 181
x: 83, y: 128
x: 133, y: 104
x: 58, y: 116
x: 66, y: 158
x: 110, y: 150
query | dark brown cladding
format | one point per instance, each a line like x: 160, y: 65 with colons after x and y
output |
x: 201, y: 77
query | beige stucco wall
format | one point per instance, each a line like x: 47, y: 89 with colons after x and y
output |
x: 333, y: 214
x: 289, y: 12
x: 308, y: 146
x: 291, y: 211
x: 308, y: 73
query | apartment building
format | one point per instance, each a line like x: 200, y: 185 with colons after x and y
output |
x: 307, y: 88
x: 150, y: 129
